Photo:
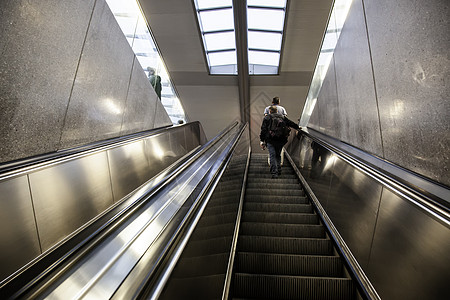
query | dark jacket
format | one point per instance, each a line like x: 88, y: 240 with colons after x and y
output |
x: 265, y: 126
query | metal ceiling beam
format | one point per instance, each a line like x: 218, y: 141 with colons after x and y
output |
x: 240, y: 25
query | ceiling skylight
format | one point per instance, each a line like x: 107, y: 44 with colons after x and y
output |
x: 217, y: 27
x: 265, y: 22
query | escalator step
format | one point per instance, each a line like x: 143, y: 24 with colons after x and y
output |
x: 201, y: 265
x: 207, y: 246
x: 277, y: 192
x: 276, y: 185
x: 204, y: 233
x: 222, y: 208
x: 202, y: 287
x: 277, y: 199
x: 232, y: 186
x: 217, y: 200
x: 292, y: 287
x: 301, y: 246
x: 278, y: 207
x: 284, y: 264
x: 266, y: 175
x: 258, y: 168
x: 286, y: 218
x: 269, y: 181
x: 211, y: 220
x: 283, y: 230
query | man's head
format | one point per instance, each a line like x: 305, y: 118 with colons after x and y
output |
x: 276, y: 100
x: 273, y: 109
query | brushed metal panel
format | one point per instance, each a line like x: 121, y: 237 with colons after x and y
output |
x: 352, y: 205
x: 68, y: 195
x: 134, y: 164
x: 18, y: 234
x: 349, y: 197
x: 410, y: 254
x: 129, y: 168
x: 316, y: 168
x: 204, y: 255
x: 100, y: 274
x: 179, y: 142
x: 163, y: 150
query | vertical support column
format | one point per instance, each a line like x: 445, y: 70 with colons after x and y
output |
x: 240, y: 24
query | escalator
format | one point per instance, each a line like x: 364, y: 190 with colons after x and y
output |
x: 215, y: 226
x: 283, y: 250
x: 201, y: 270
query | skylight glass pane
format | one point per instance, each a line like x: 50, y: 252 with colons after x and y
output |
x: 329, y: 41
x: 139, y: 37
x: 264, y: 40
x: 202, y: 4
x: 263, y: 58
x: 222, y: 58
x: 220, y: 41
x: 221, y: 19
x: 268, y: 19
x: 336, y: 22
x: 267, y: 3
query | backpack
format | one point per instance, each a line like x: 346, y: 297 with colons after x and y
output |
x: 278, y: 129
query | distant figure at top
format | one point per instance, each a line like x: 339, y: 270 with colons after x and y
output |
x: 155, y: 81
x: 276, y: 102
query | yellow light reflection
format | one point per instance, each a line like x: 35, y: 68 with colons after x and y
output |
x: 157, y: 151
x: 330, y: 162
x: 111, y: 106
x: 397, y: 108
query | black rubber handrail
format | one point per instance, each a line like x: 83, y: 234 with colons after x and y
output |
x: 228, y: 276
x: 365, y: 287
x: 21, y: 165
x: 186, y: 228
x: 427, y: 187
x: 437, y: 210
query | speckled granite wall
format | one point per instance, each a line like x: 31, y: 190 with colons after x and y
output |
x: 411, y: 63
x: 68, y: 77
x: 391, y: 74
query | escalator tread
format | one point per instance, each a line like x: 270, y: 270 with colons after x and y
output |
x: 283, y: 251
x: 261, y: 286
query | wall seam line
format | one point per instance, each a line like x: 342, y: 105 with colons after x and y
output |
x: 374, y: 229
x: 34, y: 214
x: 131, y: 75
x: 75, y: 77
x: 110, y: 178
x: 373, y: 77
x: 128, y: 91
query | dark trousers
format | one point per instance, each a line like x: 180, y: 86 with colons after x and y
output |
x: 275, y: 158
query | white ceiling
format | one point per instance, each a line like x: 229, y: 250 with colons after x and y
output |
x: 214, y: 99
